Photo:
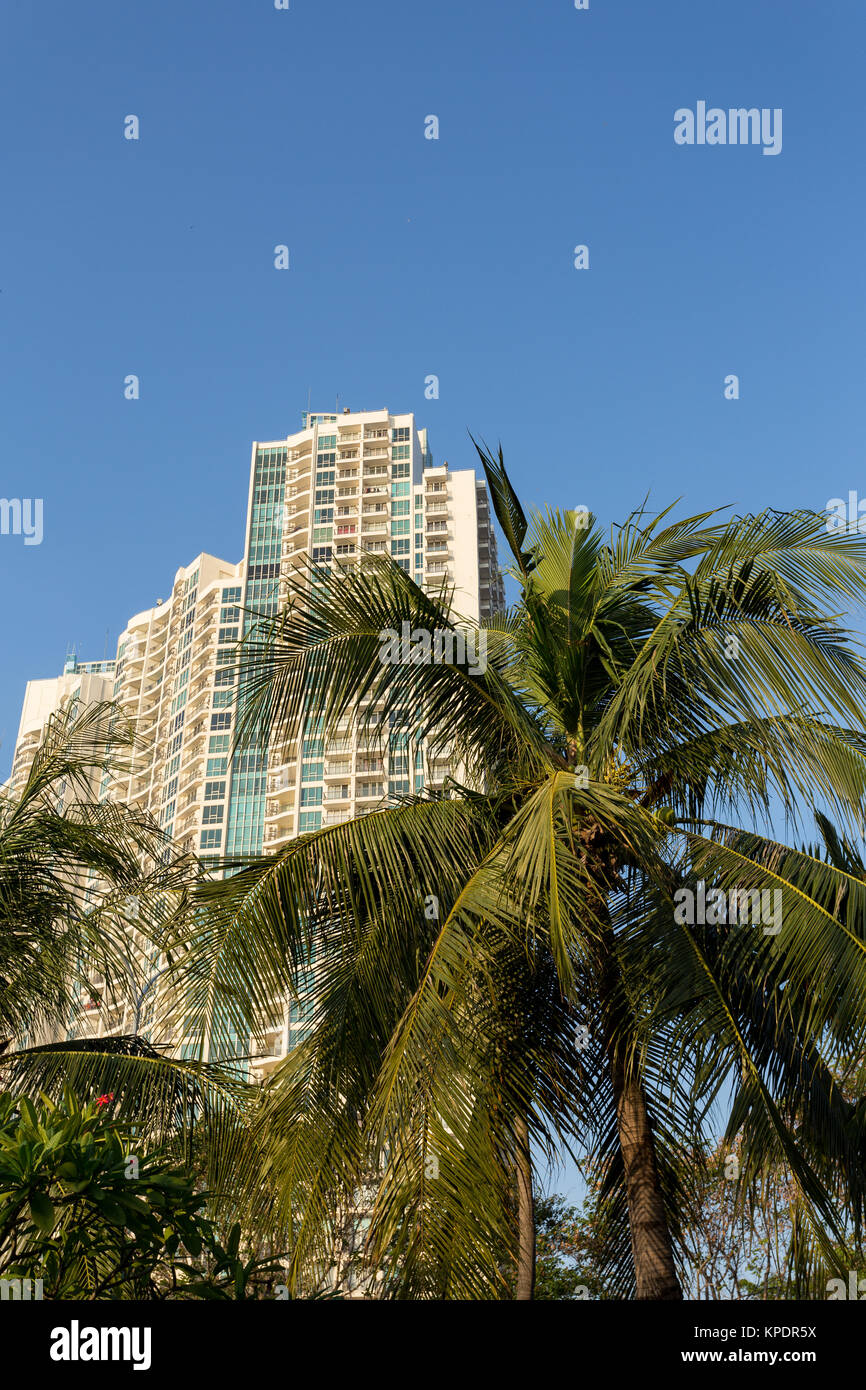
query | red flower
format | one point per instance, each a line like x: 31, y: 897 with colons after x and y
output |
x: 105, y: 1100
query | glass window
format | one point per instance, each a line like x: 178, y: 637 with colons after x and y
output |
x: 212, y: 815
x: 211, y: 839
x: 220, y: 721
x: 214, y: 791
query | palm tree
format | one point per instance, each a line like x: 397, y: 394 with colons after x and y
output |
x: 91, y: 890
x: 643, y: 697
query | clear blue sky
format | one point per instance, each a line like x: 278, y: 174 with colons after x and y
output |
x: 411, y: 257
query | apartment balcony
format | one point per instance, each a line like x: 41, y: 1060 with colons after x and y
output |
x: 279, y: 783
x: 198, y: 704
x: 191, y: 779
x: 346, y: 474
x: 371, y: 769
x: 279, y: 810
x: 369, y: 791
x: 341, y: 745
x: 340, y: 769
x: 201, y: 660
x: 275, y: 834
x: 337, y: 817
x: 342, y: 791
x: 271, y: 1047
x: 291, y: 547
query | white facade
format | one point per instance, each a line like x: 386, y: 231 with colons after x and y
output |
x: 344, y: 485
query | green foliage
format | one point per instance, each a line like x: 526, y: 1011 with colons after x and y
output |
x: 697, y: 674
x: 84, y: 1211
x: 58, y: 844
x: 229, y: 1275
x: 569, y: 1250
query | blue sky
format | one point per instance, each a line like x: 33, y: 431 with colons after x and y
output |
x: 411, y: 257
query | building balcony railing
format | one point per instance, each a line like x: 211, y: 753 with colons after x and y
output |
x: 370, y: 791
x: 343, y: 768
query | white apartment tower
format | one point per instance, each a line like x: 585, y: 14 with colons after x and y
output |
x: 344, y: 484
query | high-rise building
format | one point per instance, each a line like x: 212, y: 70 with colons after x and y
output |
x: 82, y: 683
x: 343, y: 485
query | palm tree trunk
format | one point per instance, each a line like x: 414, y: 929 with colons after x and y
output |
x: 651, y: 1244
x: 655, y: 1271
x: 525, y: 1214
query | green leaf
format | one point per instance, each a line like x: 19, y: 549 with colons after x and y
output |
x: 42, y: 1212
